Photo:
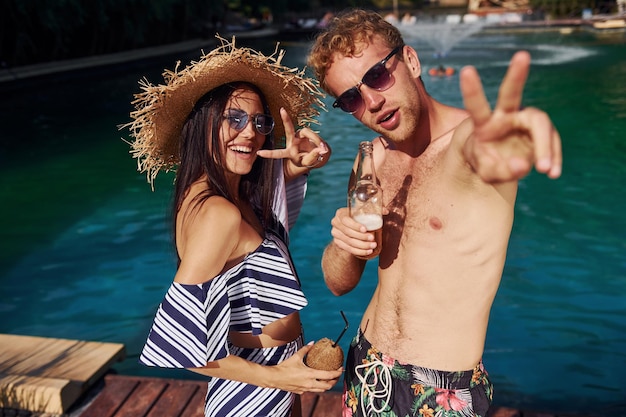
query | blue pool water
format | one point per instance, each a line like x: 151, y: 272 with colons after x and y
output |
x: 86, y: 248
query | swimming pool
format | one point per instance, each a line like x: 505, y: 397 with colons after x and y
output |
x: 86, y: 248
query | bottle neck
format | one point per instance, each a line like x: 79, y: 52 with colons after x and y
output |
x: 365, y: 170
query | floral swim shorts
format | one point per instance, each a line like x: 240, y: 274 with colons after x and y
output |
x: 377, y: 385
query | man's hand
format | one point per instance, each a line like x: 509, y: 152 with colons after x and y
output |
x: 508, y: 141
x: 350, y: 235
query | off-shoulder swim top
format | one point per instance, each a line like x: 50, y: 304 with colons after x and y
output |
x: 192, y: 323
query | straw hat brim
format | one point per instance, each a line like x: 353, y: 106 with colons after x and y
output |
x: 161, y: 110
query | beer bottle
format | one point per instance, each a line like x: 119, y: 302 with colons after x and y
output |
x: 365, y: 197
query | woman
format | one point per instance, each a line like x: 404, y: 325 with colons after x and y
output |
x: 232, y: 312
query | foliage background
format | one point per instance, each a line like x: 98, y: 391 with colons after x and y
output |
x: 36, y: 31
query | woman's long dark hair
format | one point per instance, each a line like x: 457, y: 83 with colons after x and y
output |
x: 202, y: 153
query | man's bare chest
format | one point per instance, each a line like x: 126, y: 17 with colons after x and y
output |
x: 412, y: 187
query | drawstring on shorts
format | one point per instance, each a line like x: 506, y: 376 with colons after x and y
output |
x: 370, y: 388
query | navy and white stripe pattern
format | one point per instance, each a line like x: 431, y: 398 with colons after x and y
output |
x: 288, y: 197
x: 226, y: 398
x: 192, y: 324
x: 295, y: 191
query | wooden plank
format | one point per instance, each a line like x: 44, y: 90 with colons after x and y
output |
x: 195, y: 408
x: 177, y: 396
x: 308, y: 401
x: 116, y: 391
x: 328, y: 405
x: 45, y: 395
x: 151, y: 397
x: 45, y: 374
x: 143, y: 398
x: 57, y: 358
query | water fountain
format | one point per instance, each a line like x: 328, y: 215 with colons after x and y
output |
x: 442, y: 33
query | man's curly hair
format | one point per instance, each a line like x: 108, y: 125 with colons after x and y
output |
x: 346, y: 35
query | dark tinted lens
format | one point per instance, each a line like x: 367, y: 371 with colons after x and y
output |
x: 377, y: 77
x: 237, y: 119
x: 350, y: 101
x: 264, y: 123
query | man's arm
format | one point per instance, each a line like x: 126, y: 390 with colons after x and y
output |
x: 342, y: 271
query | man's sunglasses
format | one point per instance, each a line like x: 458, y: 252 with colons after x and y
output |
x: 377, y: 77
x: 238, y: 120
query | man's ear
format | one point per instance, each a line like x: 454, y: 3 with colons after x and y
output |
x: 412, y: 61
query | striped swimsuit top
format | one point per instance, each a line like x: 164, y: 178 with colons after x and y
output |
x: 192, y: 323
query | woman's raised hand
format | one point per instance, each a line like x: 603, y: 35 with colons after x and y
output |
x: 304, y: 148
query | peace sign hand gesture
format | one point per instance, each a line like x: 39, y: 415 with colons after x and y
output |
x: 305, y: 149
x: 508, y: 141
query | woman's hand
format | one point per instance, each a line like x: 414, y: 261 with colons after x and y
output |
x: 305, y: 149
x: 294, y: 376
x: 290, y: 375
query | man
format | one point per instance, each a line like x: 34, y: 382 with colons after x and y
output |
x: 449, y: 179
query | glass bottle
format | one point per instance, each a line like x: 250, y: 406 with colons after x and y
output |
x: 365, y: 198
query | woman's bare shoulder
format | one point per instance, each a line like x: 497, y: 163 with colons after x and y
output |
x: 206, y: 239
x: 215, y: 213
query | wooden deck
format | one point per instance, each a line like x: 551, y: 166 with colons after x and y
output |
x: 129, y: 396
x: 48, y: 375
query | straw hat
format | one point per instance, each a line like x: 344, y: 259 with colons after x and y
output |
x: 161, y: 110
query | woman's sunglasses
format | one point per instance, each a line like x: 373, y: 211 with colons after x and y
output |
x: 377, y: 77
x: 238, y: 120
